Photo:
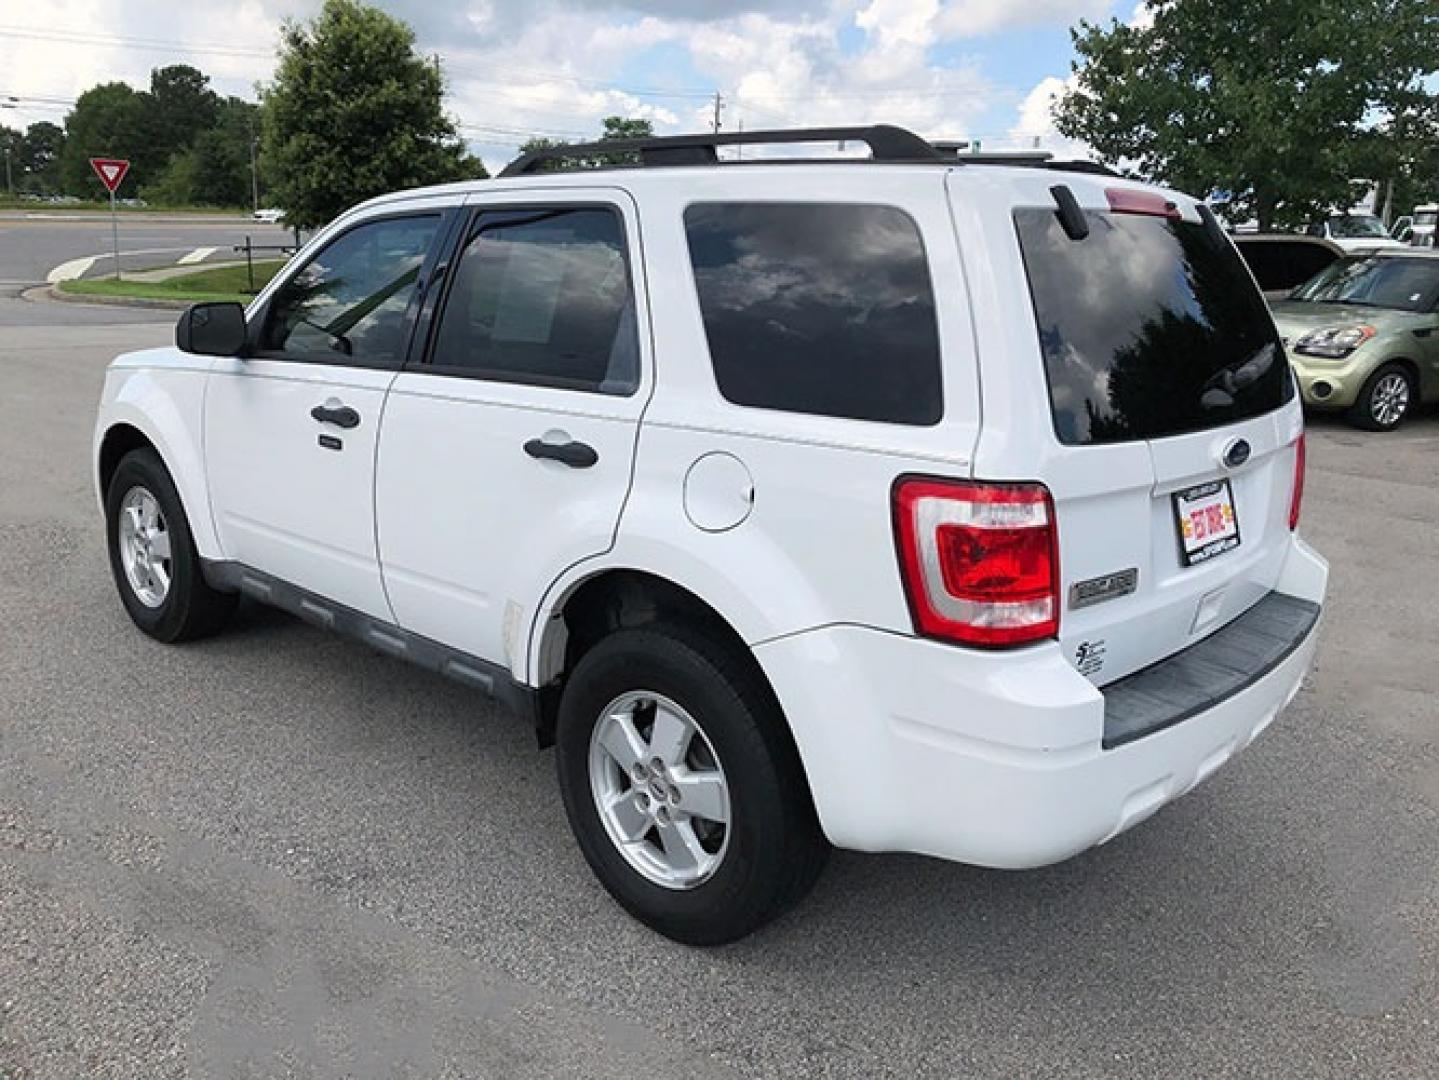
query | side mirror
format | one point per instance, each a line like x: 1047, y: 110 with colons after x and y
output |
x: 212, y: 330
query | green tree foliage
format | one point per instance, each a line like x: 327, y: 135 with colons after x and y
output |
x: 179, y: 107
x: 40, y: 151
x: 614, y: 127
x: 108, y: 121
x: 354, y: 112
x: 225, y: 154
x: 10, y: 141
x: 623, y: 127
x: 215, y: 170
x: 1266, y: 100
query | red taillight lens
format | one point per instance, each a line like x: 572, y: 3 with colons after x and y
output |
x: 980, y: 561
x: 1130, y: 201
x: 1296, y: 500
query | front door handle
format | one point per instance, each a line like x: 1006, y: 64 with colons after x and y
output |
x: 576, y: 455
x: 332, y: 412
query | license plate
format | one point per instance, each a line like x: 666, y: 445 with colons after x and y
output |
x: 1208, y: 524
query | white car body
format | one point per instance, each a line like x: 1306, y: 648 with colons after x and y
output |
x: 1341, y: 229
x: 1422, y: 226
x: 432, y: 526
x: 269, y: 216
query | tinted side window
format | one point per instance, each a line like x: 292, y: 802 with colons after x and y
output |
x: 818, y: 308
x: 543, y: 296
x: 350, y: 303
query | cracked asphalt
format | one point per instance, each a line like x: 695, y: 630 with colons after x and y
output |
x: 276, y: 853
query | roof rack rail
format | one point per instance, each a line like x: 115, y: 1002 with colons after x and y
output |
x: 1036, y: 159
x: 886, y: 144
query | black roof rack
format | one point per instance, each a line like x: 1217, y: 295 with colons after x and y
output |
x: 1035, y: 159
x: 886, y: 144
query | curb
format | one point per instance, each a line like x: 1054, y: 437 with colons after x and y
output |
x: 50, y: 294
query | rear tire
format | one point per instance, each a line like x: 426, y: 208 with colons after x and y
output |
x: 153, y: 555
x: 638, y: 690
x: 1387, y: 398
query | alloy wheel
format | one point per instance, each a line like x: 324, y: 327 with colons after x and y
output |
x: 145, y: 550
x: 1390, y: 399
x: 660, y: 790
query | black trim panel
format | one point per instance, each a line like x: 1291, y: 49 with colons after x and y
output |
x: 1207, y: 673
x: 492, y: 679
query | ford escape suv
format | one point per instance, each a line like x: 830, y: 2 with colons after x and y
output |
x: 901, y: 504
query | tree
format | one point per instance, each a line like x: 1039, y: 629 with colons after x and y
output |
x: 614, y: 127
x: 223, y: 155
x: 624, y: 127
x: 178, y: 109
x: 620, y: 127
x: 108, y: 121
x: 40, y: 156
x: 354, y: 112
x: 176, y: 185
x: 1266, y: 102
x: 10, y: 142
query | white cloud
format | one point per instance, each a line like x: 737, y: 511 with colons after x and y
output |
x: 1036, y: 121
x: 973, y: 18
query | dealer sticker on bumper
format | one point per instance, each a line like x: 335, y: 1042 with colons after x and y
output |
x: 1208, y: 525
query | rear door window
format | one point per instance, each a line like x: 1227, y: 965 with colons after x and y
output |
x: 818, y: 308
x: 542, y: 296
x: 1149, y: 327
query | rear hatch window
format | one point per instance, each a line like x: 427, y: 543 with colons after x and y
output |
x: 1149, y: 327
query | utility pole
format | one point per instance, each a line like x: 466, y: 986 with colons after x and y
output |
x: 9, y: 181
x: 254, y: 173
x: 719, y: 106
x: 254, y: 166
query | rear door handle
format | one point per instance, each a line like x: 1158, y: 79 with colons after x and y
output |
x: 332, y: 412
x: 576, y: 455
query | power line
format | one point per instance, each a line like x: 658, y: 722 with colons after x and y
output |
x: 127, y: 42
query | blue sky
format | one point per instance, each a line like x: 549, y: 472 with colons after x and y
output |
x: 947, y: 68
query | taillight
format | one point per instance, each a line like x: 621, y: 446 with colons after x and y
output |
x: 1297, y: 498
x: 980, y: 561
x: 1131, y: 201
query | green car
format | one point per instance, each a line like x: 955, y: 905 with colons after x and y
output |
x: 1363, y: 335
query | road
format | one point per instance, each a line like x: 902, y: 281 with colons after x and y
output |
x: 35, y: 243
x: 281, y: 846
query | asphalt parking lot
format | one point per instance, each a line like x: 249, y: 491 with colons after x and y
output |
x: 278, y: 854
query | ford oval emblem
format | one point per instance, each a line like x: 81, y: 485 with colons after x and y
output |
x: 1236, y: 453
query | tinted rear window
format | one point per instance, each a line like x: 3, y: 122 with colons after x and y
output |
x: 818, y: 308
x: 1149, y: 327
x: 1283, y: 264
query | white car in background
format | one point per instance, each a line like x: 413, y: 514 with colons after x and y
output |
x: 1354, y: 232
x: 1420, y: 230
x: 269, y: 216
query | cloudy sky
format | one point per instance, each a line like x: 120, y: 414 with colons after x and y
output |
x: 982, y: 69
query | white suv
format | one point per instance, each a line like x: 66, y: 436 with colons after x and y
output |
x: 908, y: 504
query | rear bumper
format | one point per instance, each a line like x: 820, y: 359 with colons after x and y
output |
x: 999, y: 759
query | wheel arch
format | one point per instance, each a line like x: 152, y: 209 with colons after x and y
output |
x: 619, y: 597
x: 147, y: 412
x: 1411, y: 368
x: 119, y: 439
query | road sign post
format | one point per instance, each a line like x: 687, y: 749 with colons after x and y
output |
x: 111, y: 171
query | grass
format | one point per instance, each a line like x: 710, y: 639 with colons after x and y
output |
x: 217, y: 285
x: 92, y: 205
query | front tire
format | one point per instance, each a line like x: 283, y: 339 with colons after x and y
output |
x: 682, y: 786
x: 1386, y: 398
x: 153, y: 555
